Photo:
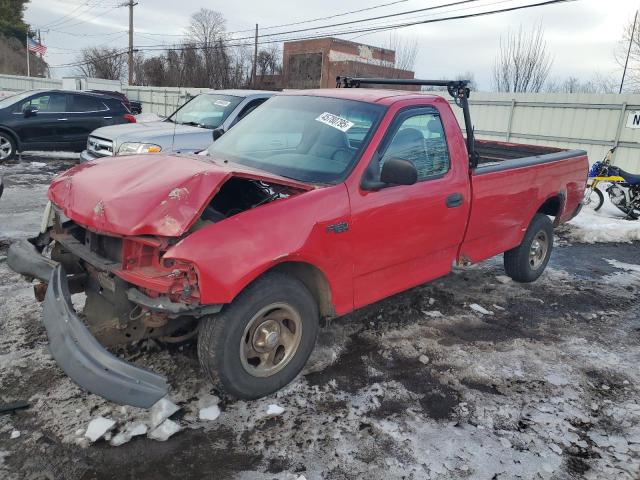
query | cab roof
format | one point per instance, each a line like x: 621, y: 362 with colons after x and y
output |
x: 369, y: 95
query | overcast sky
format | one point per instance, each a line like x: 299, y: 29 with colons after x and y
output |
x: 581, y: 35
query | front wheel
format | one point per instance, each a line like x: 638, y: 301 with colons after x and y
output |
x: 262, y: 340
x: 593, y: 198
x: 527, y: 261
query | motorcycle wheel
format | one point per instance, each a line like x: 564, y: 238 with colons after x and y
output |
x: 593, y: 198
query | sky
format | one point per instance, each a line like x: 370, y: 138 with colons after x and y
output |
x: 581, y: 35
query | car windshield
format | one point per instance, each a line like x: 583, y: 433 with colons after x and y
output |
x: 311, y: 139
x: 206, y: 110
x: 11, y: 100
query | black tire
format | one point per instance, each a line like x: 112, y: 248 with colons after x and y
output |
x: 221, y: 337
x: 519, y: 263
x: 590, y: 202
x: 7, y: 143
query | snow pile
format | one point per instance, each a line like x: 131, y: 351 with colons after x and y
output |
x: 606, y: 225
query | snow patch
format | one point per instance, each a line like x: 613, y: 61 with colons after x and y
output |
x: 480, y: 309
x: 15, y: 434
x: 209, y: 413
x: 274, y: 410
x: 606, y: 225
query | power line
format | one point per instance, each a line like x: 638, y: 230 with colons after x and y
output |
x: 366, y: 29
x: 65, y: 16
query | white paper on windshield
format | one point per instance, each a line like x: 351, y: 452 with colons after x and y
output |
x: 222, y: 103
x: 335, y: 121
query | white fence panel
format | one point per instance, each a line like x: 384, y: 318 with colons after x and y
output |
x: 17, y: 83
x: 162, y: 101
x: 591, y: 122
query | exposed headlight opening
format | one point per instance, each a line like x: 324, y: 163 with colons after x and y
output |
x: 132, y: 148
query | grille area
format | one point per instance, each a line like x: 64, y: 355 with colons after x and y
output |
x: 100, y: 146
x: 102, y: 245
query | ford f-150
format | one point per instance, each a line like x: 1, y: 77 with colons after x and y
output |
x: 321, y: 202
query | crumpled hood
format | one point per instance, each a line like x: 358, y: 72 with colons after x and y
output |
x: 146, y: 194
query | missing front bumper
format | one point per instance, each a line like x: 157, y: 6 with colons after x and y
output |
x: 86, y: 361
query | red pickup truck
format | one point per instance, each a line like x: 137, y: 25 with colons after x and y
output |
x: 320, y: 202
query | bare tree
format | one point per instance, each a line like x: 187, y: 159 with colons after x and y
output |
x: 406, y: 49
x: 523, y: 62
x: 109, y: 63
x: 596, y: 84
x: 632, y: 78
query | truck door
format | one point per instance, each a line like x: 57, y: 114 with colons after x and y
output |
x: 406, y: 235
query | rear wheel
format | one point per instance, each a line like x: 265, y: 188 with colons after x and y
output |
x: 527, y: 261
x: 262, y: 340
x: 7, y: 147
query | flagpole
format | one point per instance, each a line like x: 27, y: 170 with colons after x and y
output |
x: 28, y: 67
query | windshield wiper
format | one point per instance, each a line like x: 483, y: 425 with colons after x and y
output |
x: 192, y: 124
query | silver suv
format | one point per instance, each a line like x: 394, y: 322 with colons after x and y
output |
x: 191, y: 128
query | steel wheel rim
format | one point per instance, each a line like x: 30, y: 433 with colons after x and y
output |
x: 270, y: 340
x: 591, y: 198
x: 538, y: 250
x: 5, y: 148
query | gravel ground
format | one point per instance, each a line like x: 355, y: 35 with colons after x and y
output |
x: 421, y: 385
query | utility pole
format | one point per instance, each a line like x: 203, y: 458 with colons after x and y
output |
x: 633, y: 32
x: 255, y: 59
x: 130, y: 4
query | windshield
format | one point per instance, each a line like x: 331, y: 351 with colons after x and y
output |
x: 206, y: 110
x: 311, y: 139
x: 8, y: 101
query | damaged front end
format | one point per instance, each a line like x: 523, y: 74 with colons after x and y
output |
x: 133, y: 292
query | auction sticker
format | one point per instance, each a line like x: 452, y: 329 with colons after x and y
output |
x: 222, y: 103
x: 335, y: 121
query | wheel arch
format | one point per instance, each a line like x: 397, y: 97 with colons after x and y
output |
x: 13, y: 134
x: 313, y: 278
x: 553, y: 206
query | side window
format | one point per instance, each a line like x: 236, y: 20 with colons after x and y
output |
x: 250, y: 107
x: 84, y: 103
x: 46, y: 103
x: 420, y: 139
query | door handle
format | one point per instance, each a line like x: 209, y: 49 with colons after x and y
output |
x: 107, y: 118
x: 454, y: 200
x: 62, y: 119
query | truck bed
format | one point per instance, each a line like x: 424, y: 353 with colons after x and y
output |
x: 492, y: 151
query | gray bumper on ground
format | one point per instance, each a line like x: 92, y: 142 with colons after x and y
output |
x: 87, y: 362
x: 25, y: 259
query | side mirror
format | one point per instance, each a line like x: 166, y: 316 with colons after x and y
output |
x: 217, y: 133
x: 396, y: 171
x: 30, y: 110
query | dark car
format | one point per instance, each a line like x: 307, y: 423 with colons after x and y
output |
x: 134, y: 106
x: 55, y: 120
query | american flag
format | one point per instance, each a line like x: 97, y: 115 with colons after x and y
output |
x: 37, y: 47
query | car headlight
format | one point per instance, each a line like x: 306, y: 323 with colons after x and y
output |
x: 131, y: 148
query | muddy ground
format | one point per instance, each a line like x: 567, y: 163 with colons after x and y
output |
x: 417, y: 386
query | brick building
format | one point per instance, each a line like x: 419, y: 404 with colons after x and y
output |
x: 316, y: 63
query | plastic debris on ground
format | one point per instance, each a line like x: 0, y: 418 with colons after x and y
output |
x: 161, y: 410
x: 480, y: 309
x: 130, y: 430
x: 98, y: 427
x: 164, y: 431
